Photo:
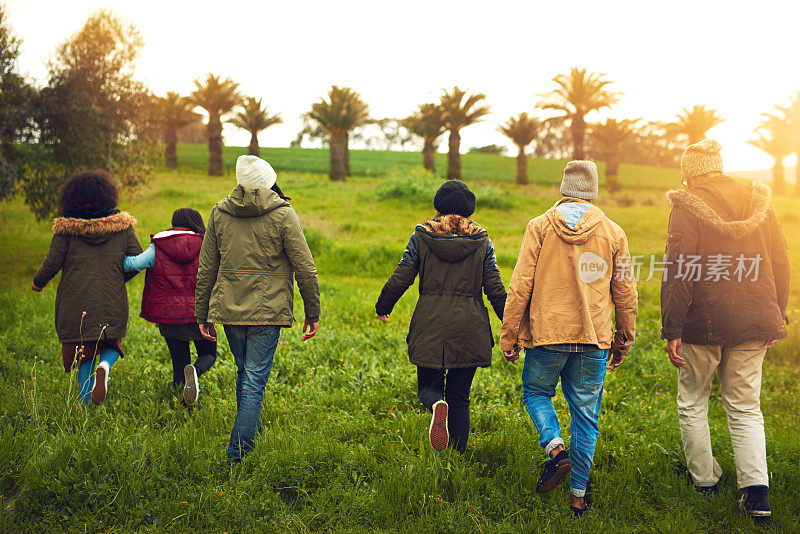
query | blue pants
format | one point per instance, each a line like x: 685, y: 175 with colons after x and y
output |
x: 86, y: 373
x: 582, y: 375
x: 253, y: 349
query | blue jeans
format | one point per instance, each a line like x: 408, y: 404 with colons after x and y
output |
x: 86, y: 373
x: 582, y: 375
x: 253, y: 349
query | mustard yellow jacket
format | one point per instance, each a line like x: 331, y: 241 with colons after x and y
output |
x: 573, y: 271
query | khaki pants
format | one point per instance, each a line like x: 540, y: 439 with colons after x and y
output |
x: 739, y: 371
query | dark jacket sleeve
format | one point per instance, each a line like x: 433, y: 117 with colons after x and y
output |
x: 493, y: 285
x: 206, y: 271
x: 676, y: 291
x: 133, y: 248
x: 779, y: 257
x: 402, y: 278
x: 305, y: 272
x: 54, y: 261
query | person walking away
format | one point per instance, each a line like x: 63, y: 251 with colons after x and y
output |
x: 252, y: 249
x: 573, y: 271
x: 723, y: 304
x: 450, y: 335
x: 91, y: 238
x: 171, y: 261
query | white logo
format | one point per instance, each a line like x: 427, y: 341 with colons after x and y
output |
x: 591, y: 267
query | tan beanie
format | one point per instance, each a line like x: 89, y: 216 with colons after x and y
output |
x: 701, y: 158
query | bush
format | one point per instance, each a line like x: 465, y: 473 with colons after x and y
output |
x: 418, y: 186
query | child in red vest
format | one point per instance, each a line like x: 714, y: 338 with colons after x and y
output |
x: 168, y: 299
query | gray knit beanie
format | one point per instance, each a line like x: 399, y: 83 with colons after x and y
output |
x: 580, y: 180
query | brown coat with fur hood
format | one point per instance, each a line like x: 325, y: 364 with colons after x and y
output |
x: 715, y: 222
x: 89, y: 253
x: 456, y: 264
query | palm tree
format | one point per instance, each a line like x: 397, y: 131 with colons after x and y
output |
x: 459, y: 110
x: 696, y: 122
x: 338, y: 115
x: 218, y: 97
x: 775, y: 138
x: 254, y: 119
x: 578, y: 94
x: 610, y: 137
x: 792, y: 115
x: 522, y: 130
x: 173, y: 112
x: 427, y: 122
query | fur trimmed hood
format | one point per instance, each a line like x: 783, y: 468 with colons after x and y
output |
x: 93, y: 228
x: 452, y: 224
x: 758, y: 210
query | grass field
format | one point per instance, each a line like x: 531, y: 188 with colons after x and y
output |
x: 345, y: 442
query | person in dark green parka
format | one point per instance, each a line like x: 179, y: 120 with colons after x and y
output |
x: 450, y: 335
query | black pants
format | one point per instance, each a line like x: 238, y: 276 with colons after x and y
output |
x: 452, y: 386
x: 179, y: 350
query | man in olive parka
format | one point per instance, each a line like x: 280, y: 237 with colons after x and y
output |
x: 252, y: 252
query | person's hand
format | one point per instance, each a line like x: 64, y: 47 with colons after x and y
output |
x: 615, y: 359
x: 39, y: 290
x: 312, y: 329
x: 384, y: 318
x: 769, y: 343
x: 674, y: 352
x: 208, y: 331
x: 513, y: 354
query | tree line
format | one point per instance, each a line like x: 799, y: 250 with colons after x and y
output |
x: 93, y: 113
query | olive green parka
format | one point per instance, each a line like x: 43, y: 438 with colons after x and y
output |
x: 252, y: 251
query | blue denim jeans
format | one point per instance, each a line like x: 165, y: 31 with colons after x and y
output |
x: 582, y: 375
x: 253, y: 349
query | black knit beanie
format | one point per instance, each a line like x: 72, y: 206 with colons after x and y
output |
x: 454, y: 197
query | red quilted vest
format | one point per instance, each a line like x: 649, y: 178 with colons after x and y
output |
x: 169, y: 284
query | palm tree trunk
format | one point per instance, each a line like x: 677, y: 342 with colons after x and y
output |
x: 778, y: 182
x: 797, y: 174
x: 338, y: 143
x: 253, y: 149
x: 522, y: 166
x: 429, y: 155
x: 577, y: 129
x: 454, y: 156
x: 170, y: 148
x: 612, y: 173
x: 347, y: 154
x: 214, y: 146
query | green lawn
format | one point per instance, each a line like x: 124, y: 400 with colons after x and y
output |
x: 345, y: 441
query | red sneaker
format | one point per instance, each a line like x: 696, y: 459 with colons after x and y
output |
x: 438, y: 432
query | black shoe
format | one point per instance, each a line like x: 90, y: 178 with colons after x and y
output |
x: 555, y: 469
x: 755, y: 502
x: 708, y: 490
x: 587, y: 503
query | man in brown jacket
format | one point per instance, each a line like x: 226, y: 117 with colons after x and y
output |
x: 573, y: 271
x: 723, y: 304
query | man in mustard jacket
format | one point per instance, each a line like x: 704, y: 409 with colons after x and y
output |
x: 573, y: 271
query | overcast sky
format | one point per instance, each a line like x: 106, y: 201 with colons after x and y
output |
x: 738, y: 57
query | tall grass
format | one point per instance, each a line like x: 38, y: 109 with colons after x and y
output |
x: 344, y: 447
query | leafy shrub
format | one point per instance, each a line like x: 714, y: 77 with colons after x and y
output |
x: 418, y: 186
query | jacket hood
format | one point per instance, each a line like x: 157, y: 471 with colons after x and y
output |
x: 180, y: 244
x: 250, y: 201
x: 93, y: 231
x: 583, y: 230
x: 743, y: 210
x: 452, y: 237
